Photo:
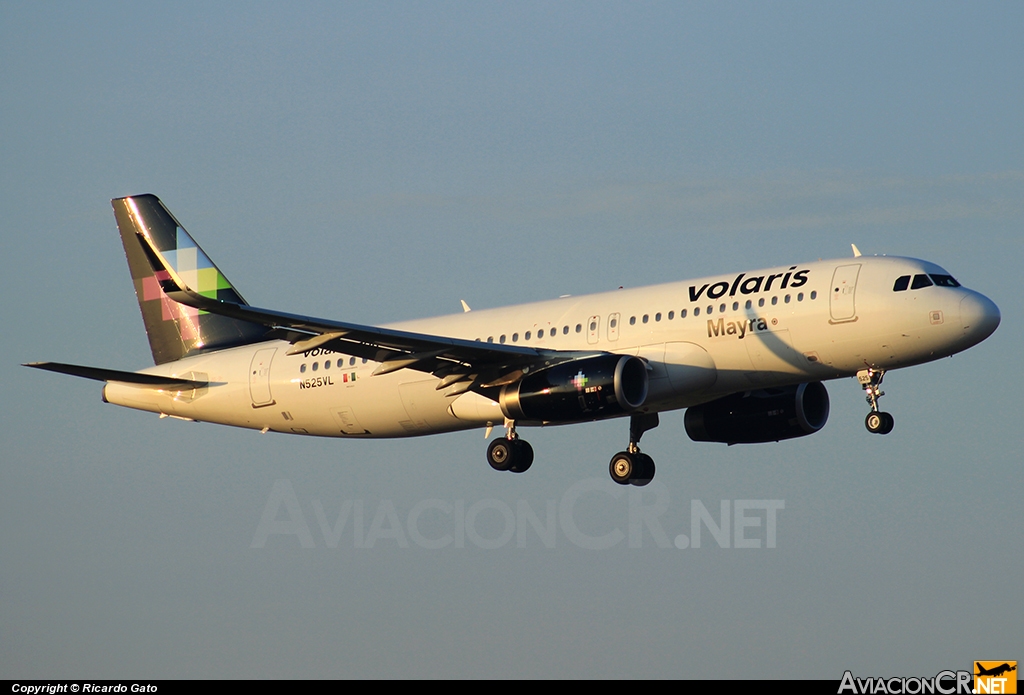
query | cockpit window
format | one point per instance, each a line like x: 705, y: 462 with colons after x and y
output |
x: 920, y: 281
x: 944, y: 280
x: 901, y: 283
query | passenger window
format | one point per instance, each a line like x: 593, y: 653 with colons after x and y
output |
x: 613, y: 324
x: 671, y: 315
x: 735, y: 306
x: 327, y: 364
x: 502, y: 339
x: 565, y: 330
x: 748, y: 305
x: 775, y: 300
x: 901, y: 283
x: 786, y: 300
x: 696, y: 311
x: 302, y: 368
x: 579, y: 326
x: 593, y: 324
x: 341, y: 363
x: 527, y: 336
x: 721, y: 308
x: 644, y: 319
x: 710, y: 309
x: 760, y: 302
x: 515, y: 337
x: 316, y: 365
x: 920, y: 281
x: 632, y: 321
x: 682, y: 314
x: 657, y: 317
x: 814, y: 294
x: 351, y: 361
x: 490, y: 339
x: 800, y: 297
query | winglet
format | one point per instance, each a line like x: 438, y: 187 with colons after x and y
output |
x: 856, y: 251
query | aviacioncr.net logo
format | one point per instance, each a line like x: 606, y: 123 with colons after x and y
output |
x: 945, y: 683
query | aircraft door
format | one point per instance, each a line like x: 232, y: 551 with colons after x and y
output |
x: 593, y: 329
x: 844, y: 285
x: 259, y: 378
x: 613, y: 327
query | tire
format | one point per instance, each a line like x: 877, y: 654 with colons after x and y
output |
x: 501, y: 454
x: 523, y: 456
x: 875, y: 422
x: 888, y: 422
x: 622, y: 467
x: 645, y: 470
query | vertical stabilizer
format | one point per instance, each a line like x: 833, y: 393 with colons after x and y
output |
x: 176, y: 330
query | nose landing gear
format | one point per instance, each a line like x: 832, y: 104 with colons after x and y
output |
x: 876, y: 422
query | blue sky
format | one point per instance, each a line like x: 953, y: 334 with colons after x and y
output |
x: 381, y: 161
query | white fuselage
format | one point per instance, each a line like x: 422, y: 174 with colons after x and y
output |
x: 703, y: 339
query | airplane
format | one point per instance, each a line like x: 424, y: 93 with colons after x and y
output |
x: 744, y: 353
x: 995, y: 671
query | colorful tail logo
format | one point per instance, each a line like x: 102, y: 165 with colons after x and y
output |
x: 176, y: 330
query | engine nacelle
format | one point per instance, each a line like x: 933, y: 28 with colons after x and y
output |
x: 586, y: 389
x: 752, y: 417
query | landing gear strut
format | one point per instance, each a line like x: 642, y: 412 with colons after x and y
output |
x: 510, y: 453
x: 631, y: 467
x: 877, y: 422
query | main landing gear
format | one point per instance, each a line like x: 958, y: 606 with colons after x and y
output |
x: 631, y: 467
x: 877, y: 422
x: 510, y: 453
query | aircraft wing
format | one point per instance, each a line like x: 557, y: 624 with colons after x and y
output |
x: 470, y: 363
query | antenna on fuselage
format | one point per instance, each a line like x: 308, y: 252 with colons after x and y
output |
x: 465, y: 307
x: 856, y: 251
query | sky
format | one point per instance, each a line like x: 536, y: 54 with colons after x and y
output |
x: 376, y: 162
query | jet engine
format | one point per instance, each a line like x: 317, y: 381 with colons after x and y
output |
x: 591, y: 388
x: 768, y: 415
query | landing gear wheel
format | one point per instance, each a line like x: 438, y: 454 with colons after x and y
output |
x: 522, y: 459
x: 501, y: 454
x: 622, y: 467
x: 878, y: 422
x: 644, y: 470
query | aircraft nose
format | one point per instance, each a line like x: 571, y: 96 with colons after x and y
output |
x: 979, y: 315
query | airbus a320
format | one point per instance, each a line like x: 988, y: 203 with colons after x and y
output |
x: 745, y: 354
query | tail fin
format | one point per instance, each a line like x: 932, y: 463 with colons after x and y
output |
x: 176, y: 330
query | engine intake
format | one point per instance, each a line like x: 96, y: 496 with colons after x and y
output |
x: 752, y: 417
x: 587, y: 389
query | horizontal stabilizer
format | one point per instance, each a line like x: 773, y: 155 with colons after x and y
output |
x: 115, y: 375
